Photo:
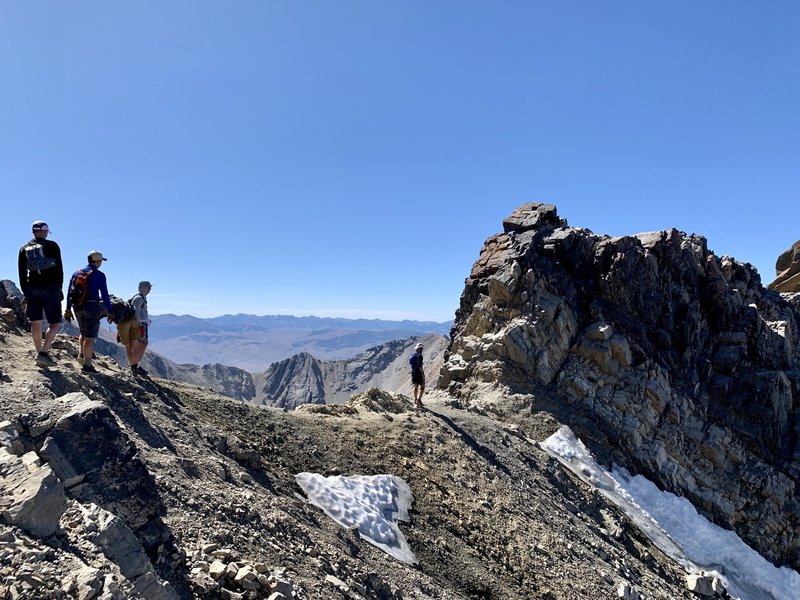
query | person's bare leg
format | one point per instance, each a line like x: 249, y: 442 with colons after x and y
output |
x: 50, y: 336
x: 36, y: 333
x: 140, y: 351
x: 88, y: 348
x: 131, y: 351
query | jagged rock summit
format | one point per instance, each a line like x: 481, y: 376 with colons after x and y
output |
x: 665, y: 357
x: 787, y: 271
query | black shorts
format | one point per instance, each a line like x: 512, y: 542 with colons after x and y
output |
x: 88, y: 317
x: 417, y: 377
x: 44, y: 301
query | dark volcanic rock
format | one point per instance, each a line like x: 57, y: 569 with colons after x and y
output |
x: 677, y: 358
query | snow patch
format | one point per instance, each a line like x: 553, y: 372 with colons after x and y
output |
x: 370, y: 503
x: 673, y: 524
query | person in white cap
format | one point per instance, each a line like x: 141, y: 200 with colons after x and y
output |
x: 417, y: 375
x: 133, y: 332
x: 87, y: 287
x: 41, y: 279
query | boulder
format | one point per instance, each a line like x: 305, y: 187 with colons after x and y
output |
x: 99, y: 464
x: 31, y: 495
x: 787, y: 271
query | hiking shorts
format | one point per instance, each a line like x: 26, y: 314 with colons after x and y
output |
x: 417, y: 377
x: 128, y: 331
x: 88, y: 317
x: 44, y: 301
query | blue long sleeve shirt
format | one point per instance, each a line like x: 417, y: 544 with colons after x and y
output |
x: 98, y: 288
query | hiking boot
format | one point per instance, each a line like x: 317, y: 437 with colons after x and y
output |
x: 141, y: 371
x: 43, y: 359
x: 135, y: 371
x: 89, y: 369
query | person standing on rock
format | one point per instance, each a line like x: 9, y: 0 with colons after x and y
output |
x: 417, y: 375
x: 133, y: 332
x: 41, y: 279
x: 87, y: 287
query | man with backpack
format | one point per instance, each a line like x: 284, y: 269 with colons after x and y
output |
x: 41, y: 279
x: 87, y: 287
x: 417, y: 375
x: 133, y: 331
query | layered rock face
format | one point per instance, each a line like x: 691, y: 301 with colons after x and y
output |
x: 678, y: 359
x: 787, y: 270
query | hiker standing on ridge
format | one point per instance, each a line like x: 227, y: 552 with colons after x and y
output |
x: 417, y: 375
x: 41, y: 278
x: 133, y: 332
x: 86, y: 287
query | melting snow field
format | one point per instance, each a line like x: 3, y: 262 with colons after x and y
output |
x: 370, y: 503
x: 675, y: 526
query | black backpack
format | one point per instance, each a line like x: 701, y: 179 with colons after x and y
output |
x: 79, y: 288
x: 121, y: 310
x: 37, y: 261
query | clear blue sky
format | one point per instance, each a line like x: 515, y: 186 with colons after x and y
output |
x: 349, y: 158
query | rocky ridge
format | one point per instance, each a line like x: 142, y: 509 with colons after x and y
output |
x: 662, y: 356
x: 120, y: 487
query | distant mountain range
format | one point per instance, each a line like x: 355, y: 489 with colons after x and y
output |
x: 253, y: 342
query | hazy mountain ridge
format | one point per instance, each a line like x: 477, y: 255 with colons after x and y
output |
x: 254, y: 342
x: 299, y: 379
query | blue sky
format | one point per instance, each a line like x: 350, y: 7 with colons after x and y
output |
x: 348, y: 158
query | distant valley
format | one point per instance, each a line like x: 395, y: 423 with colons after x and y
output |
x: 253, y: 342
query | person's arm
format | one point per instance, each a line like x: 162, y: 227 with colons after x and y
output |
x: 104, y: 290
x: 59, y: 265
x: 69, y: 294
x: 23, y: 271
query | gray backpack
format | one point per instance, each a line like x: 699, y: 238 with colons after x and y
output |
x: 37, y: 261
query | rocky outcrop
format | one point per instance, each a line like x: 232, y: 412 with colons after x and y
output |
x: 787, y: 271
x: 31, y: 496
x: 53, y: 493
x: 98, y: 464
x: 303, y: 379
x: 674, y: 357
x: 230, y: 381
x: 292, y: 382
x: 11, y: 303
